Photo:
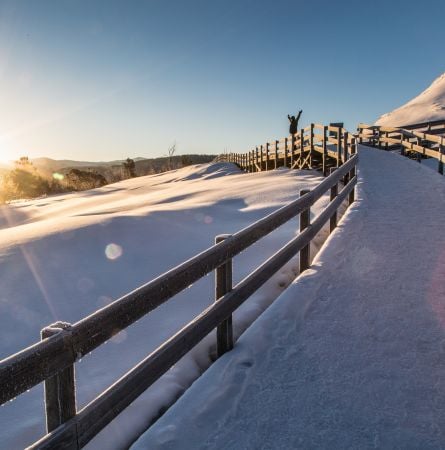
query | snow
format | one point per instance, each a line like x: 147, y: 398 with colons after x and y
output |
x: 352, y: 354
x: 427, y: 106
x: 63, y: 257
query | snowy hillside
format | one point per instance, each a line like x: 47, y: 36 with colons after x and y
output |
x: 63, y: 257
x: 428, y: 106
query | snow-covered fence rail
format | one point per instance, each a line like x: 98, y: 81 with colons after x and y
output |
x: 52, y: 359
x: 411, y: 142
x: 313, y: 146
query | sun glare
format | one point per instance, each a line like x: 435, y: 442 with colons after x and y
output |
x: 8, y: 156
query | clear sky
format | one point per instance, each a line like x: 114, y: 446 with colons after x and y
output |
x: 102, y: 80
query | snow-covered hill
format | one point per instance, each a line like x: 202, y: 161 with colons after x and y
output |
x: 63, y: 257
x: 427, y: 106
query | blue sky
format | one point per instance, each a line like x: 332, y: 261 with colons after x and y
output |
x: 101, y: 80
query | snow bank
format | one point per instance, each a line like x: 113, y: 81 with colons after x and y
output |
x: 351, y: 355
x: 427, y: 106
x: 65, y: 256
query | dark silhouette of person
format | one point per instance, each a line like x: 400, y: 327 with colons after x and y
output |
x: 293, y: 127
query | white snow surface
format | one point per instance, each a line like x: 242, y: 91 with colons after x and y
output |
x: 352, y: 354
x: 54, y: 266
x: 427, y: 106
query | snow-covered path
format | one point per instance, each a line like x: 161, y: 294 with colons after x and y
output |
x: 352, y: 355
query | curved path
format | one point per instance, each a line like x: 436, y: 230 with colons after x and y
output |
x: 352, y: 355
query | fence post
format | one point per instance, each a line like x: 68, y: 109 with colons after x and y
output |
x: 261, y: 158
x: 301, y: 157
x: 60, y: 393
x: 334, y: 193
x: 345, y: 156
x: 325, y: 149
x: 276, y: 154
x: 223, y: 285
x: 292, y: 145
x: 360, y: 137
x: 441, y: 157
x: 285, y: 152
x: 352, y: 172
x: 312, y: 146
x: 402, y: 147
x: 305, y: 220
x: 267, y: 156
x: 338, y: 146
x: 419, y: 143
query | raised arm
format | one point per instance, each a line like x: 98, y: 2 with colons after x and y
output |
x: 288, y: 116
x: 299, y: 114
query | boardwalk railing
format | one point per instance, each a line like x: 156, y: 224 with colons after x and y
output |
x: 52, y: 359
x: 410, y: 142
x: 314, y: 146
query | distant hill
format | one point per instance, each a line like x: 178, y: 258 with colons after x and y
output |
x: 427, y: 106
x: 112, y: 169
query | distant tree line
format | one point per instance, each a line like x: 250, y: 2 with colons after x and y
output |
x: 25, y: 181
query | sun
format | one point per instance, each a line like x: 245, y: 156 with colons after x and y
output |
x: 7, y: 155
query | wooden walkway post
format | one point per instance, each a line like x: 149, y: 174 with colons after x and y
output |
x: 312, y: 145
x: 352, y: 172
x: 345, y: 155
x: 292, y: 145
x: 441, y: 157
x: 325, y: 149
x: 267, y: 155
x: 285, y: 152
x: 262, y: 158
x: 402, y: 147
x: 276, y: 154
x: 338, y: 146
x: 223, y: 285
x: 301, y: 157
x: 419, y: 143
x: 305, y: 220
x: 60, y: 394
x: 334, y: 193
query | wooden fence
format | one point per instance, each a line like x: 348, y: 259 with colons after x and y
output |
x: 410, y: 142
x: 432, y: 127
x: 320, y: 146
x: 52, y: 359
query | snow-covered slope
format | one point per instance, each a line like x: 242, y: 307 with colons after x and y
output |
x: 63, y: 257
x: 428, y: 106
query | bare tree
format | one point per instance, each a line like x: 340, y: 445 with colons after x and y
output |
x: 171, y: 151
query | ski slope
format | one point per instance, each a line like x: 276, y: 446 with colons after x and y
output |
x: 352, y: 354
x: 63, y: 257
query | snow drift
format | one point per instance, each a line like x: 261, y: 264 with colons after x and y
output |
x: 427, y: 106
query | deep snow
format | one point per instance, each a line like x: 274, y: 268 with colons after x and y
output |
x: 63, y: 257
x: 427, y: 106
x: 352, y: 354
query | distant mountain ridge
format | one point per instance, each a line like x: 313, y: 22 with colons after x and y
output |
x: 58, y: 164
x: 112, y: 170
x: 427, y: 106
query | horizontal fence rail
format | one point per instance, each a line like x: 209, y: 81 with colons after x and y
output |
x: 52, y: 359
x: 410, y: 142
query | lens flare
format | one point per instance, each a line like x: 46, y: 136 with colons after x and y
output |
x: 113, y: 251
x: 58, y: 176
